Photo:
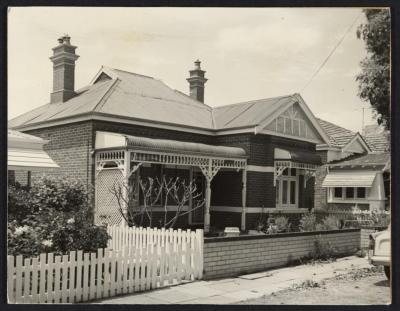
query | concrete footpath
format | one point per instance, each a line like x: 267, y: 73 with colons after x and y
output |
x: 250, y: 286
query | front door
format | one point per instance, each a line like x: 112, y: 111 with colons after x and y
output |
x: 197, y: 215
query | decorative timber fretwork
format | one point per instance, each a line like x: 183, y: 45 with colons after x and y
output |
x: 308, y: 169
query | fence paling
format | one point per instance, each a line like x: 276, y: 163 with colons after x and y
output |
x: 78, y: 277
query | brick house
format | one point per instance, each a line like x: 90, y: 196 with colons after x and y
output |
x: 355, y: 170
x: 247, y: 158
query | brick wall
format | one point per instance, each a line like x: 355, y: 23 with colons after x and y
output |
x: 227, y: 257
x: 69, y: 146
x: 365, y: 232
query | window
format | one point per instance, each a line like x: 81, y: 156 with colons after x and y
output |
x: 286, y: 189
x: 349, y: 193
x: 338, y: 193
x: 361, y: 193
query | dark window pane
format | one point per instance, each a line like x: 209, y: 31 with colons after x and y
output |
x: 349, y: 193
x: 293, y: 172
x: 277, y: 193
x: 284, y: 191
x: 338, y: 192
x: 292, y: 192
x: 285, y: 171
x: 361, y: 193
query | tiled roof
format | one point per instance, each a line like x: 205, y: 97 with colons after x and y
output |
x: 378, y: 142
x: 129, y: 95
x: 367, y: 160
x: 338, y: 136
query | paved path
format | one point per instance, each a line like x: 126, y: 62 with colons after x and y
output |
x: 233, y: 290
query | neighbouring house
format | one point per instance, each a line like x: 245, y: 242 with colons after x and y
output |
x: 247, y: 158
x: 26, y: 155
x: 356, y: 170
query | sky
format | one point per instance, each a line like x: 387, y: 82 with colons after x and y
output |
x: 247, y: 54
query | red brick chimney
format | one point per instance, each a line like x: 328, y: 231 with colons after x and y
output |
x: 63, y: 59
x: 196, y: 82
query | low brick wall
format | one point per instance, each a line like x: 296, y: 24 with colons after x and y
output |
x: 365, y: 232
x: 232, y: 256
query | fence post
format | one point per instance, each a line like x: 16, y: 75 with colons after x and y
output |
x: 200, y: 254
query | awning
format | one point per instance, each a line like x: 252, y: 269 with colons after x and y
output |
x: 29, y: 160
x: 349, y: 179
x: 25, y: 152
x: 105, y: 140
x: 297, y: 156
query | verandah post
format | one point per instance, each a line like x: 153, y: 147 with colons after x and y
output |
x: 244, y: 192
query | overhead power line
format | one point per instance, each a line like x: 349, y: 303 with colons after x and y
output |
x: 331, y: 53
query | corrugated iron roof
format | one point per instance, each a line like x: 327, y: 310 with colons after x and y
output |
x: 184, y: 147
x: 25, y: 152
x: 248, y: 113
x: 129, y: 95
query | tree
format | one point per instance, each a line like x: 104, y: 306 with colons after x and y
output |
x: 154, y: 192
x: 374, y: 79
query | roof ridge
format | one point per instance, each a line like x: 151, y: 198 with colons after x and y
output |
x: 133, y: 73
x: 252, y: 101
x: 106, y: 95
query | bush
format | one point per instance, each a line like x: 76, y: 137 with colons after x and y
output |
x: 308, y: 222
x: 282, y: 224
x: 323, y: 250
x: 52, y: 216
x: 380, y: 219
x: 330, y: 222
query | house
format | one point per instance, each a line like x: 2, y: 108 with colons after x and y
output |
x: 356, y: 170
x: 26, y: 154
x: 246, y: 158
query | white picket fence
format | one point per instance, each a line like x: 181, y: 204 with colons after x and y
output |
x: 122, y: 236
x: 80, y: 277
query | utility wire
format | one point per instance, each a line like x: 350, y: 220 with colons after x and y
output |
x: 331, y: 53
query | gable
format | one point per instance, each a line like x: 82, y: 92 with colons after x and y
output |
x: 295, y: 123
x: 355, y: 146
x: 102, y: 77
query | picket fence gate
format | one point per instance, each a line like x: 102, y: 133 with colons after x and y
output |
x: 80, y: 277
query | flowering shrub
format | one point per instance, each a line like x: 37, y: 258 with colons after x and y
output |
x: 308, y: 222
x: 52, y: 216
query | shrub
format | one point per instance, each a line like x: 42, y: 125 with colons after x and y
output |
x: 308, y: 222
x: 52, y: 216
x: 282, y: 224
x: 330, y: 222
x: 381, y: 219
x: 323, y: 250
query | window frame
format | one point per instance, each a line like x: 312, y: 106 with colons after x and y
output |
x: 344, y: 199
